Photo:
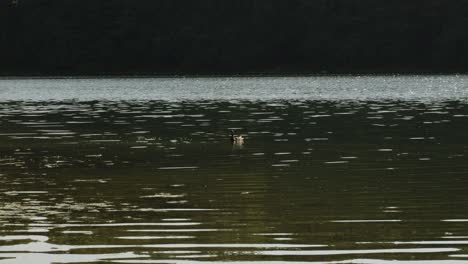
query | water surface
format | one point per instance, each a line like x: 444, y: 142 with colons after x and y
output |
x: 333, y: 170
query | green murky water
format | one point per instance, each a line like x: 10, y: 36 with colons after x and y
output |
x: 129, y: 180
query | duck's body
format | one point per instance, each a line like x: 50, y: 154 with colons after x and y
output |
x: 238, y: 139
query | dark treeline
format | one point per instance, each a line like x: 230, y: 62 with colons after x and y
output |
x: 92, y: 37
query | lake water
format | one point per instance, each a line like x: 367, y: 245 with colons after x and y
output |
x: 333, y: 170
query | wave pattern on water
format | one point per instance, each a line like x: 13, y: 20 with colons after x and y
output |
x: 137, y: 180
x: 450, y: 87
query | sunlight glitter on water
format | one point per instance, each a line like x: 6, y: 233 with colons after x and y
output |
x: 336, y: 179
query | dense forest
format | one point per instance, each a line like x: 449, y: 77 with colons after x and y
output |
x: 160, y: 37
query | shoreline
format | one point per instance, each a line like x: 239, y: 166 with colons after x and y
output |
x: 214, y: 76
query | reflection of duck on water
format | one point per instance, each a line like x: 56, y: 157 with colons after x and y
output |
x: 236, y: 139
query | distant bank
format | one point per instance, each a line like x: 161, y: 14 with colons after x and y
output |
x: 242, y: 37
x: 223, y: 76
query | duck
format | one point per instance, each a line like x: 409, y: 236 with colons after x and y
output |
x: 237, y: 139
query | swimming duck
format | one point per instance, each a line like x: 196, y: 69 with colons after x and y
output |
x: 236, y: 138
